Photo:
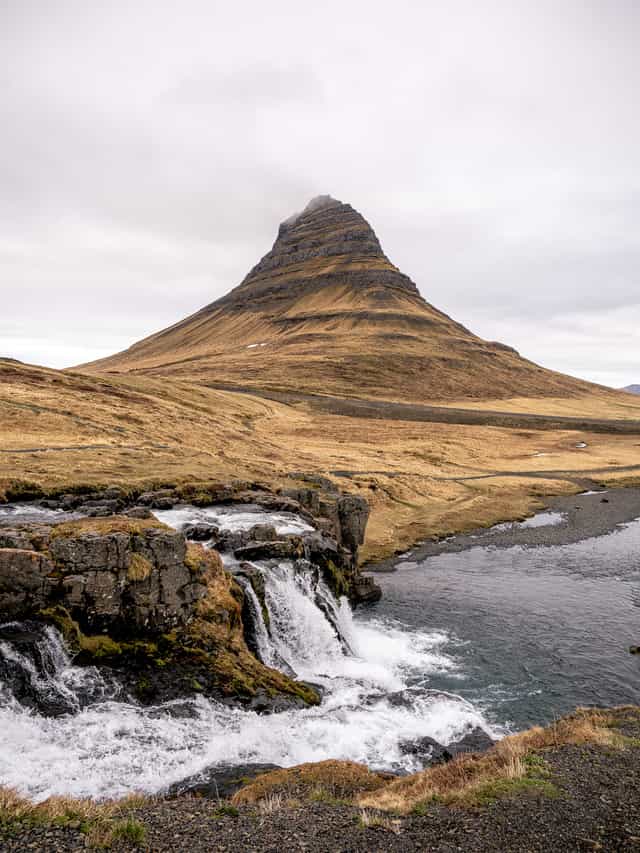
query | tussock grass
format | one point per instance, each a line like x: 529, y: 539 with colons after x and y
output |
x: 102, y: 822
x: 371, y: 820
x: 106, y: 525
x: 329, y: 781
x: 512, y: 766
x: 271, y: 803
x: 139, y: 568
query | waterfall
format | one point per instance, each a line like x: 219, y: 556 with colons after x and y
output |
x: 259, y: 634
x: 35, y: 668
x: 66, y: 730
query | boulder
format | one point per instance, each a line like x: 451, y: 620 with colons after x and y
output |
x: 138, y: 512
x: 282, y: 549
x: 427, y: 750
x: 262, y: 533
x: 364, y: 590
x: 201, y: 531
x: 477, y: 740
x: 353, y: 514
x: 220, y: 781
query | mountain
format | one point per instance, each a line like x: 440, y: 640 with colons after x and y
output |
x: 326, y: 312
x: 632, y: 389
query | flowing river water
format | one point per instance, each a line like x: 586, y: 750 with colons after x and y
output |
x: 490, y: 638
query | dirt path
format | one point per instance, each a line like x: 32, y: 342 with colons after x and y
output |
x: 386, y: 410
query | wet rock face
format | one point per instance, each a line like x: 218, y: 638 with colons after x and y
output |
x: 134, y: 577
x: 353, y: 515
x: 23, y: 582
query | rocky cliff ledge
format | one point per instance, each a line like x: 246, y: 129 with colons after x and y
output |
x: 134, y: 595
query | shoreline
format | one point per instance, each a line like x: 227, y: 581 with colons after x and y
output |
x: 587, y: 515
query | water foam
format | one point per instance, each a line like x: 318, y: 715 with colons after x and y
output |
x: 232, y: 519
x: 374, y: 674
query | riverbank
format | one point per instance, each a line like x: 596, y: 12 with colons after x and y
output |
x: 564, y: 520
x: 582, y: 793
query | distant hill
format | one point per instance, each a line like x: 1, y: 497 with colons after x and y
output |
x: 326, y: 312
x: 632, y: 389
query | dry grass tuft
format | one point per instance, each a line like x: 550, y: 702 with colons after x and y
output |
x: 103, y: 823
x: 271, y: 803
x: 371, y: 820
x: 103, y: 526
x: 326, y: 780
x: 510, y: 766
x: 139, y: 568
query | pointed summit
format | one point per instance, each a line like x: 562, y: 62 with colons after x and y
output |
x: 326, y: 312
x: 327, y: 242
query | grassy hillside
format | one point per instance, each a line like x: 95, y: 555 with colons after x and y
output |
x: 65, y: 428
x: 326, y: 312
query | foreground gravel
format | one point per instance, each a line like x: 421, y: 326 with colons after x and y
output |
x: 598, y: 808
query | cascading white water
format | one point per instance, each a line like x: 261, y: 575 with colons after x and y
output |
x: 49, y: 673
x: 374, y: 673
x: 263, y: 642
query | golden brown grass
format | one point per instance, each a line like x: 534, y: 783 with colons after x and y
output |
x: 142, y: 431
x: 340, y: 340
x: 471, y: 778
x: 139, y: 568
x: 324, y: 780
x: 106, y: 525
x: 102, y: 822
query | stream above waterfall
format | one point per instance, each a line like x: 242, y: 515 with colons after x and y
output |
x: 486, y: 638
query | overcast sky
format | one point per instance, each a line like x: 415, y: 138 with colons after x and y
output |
x: 148, y: 151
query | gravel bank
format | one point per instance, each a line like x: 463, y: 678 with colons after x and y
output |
x: 596, y: 807
x: 584, y: 516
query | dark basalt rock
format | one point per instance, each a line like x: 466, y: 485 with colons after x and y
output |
x: 325, y: 229
x: 220, y: 781
x: 138, y: 512
x: 283, y: 549
x: 262, y: 703
x: 29, y: 672
x: 353, y: 514
x: 201, y: 531
x: 108, y: 581
x: 428, y: 750
x: 262, y: 533
x: 364, y: 590
x: 477, y: 740
x: 160, y: 499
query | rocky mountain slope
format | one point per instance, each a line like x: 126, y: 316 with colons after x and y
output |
x: 326, y: 312
x: 632, y: 389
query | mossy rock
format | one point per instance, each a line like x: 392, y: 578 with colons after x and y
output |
x: 107, y: 525
x: 336, y: 579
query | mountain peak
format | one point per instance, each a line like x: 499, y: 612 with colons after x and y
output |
x: 327, y: 242
x: 326, y: 312
x: 320, y: 202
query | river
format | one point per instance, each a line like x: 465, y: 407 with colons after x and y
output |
x: 495, y: 638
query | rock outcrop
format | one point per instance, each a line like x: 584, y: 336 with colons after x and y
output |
x: 112, y: 574
x: 339, y: 519
x: 133, y: 594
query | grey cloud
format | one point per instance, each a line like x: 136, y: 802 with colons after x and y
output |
x: 150, y: 149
